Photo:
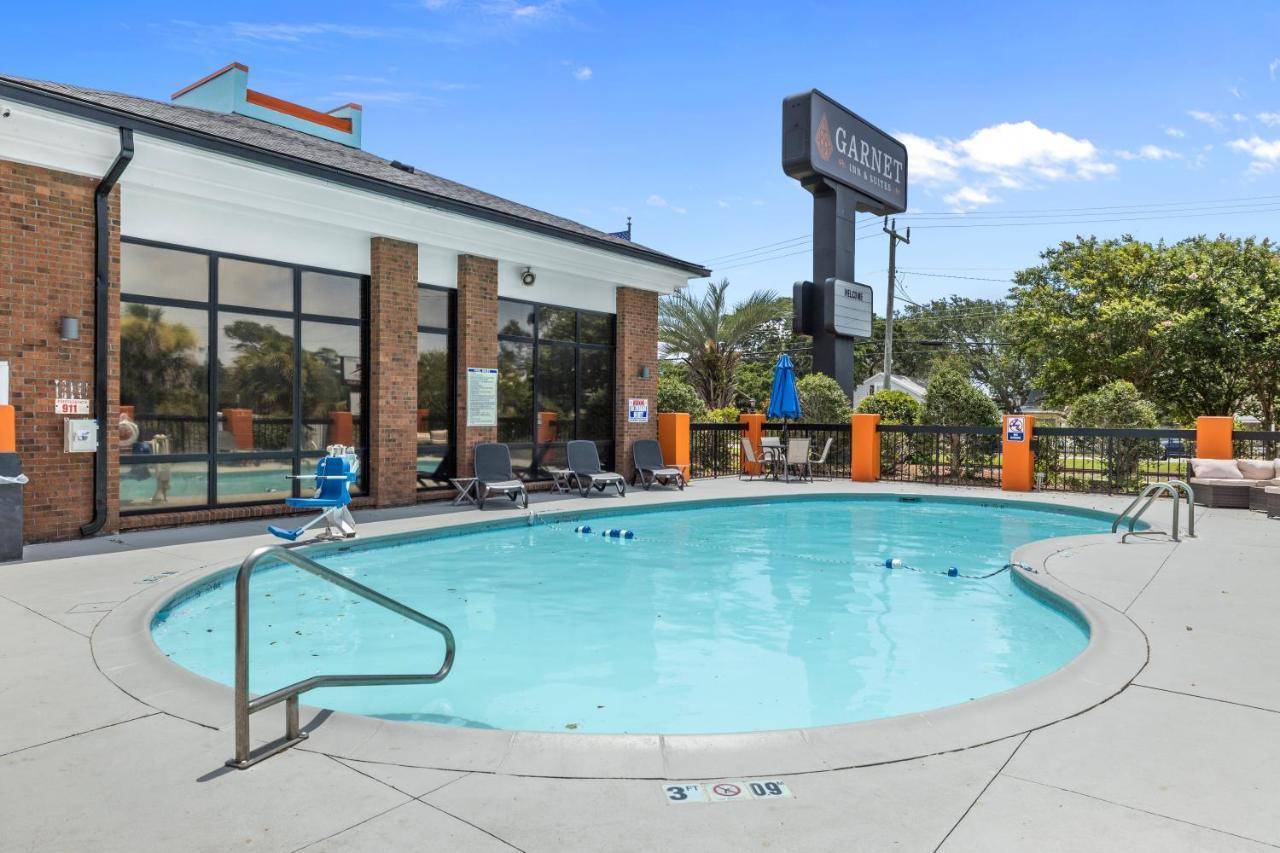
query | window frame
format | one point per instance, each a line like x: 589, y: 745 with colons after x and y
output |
x: 213, y: 308
x: 451, y: 315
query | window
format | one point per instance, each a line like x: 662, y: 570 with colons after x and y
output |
x: 555, y: 382
x: 435, y: 386
x: 234, y: 373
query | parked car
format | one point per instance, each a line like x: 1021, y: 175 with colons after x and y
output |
x: 1173, y: 448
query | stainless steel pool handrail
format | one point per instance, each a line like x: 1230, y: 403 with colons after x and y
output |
x: 1175, y: 489
x: 244, y: 706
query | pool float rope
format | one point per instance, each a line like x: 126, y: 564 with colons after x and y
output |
x: 954, y: 572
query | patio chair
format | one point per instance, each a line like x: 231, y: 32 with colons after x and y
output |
x: 797, y: 459
x: 646, y: 456
x: 586, y: 471
x: 820, y: 462
x: 494, y: 475
x: 333, y: 476
x: 751, y: 462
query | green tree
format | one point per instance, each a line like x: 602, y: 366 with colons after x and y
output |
x: 953, y: 400
x: 1118, y: 405
x: 161, y: 372
x: 822, y: 400
x: 893, y: 407
x: 674, y: 395
x: 710, y: 337
x: 753, y: 381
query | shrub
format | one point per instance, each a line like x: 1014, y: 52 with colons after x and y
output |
x: 952, y: 400
x: 674, y: 395
x: 822, y: 400
x: 723, y: 415
x: 1118, y: 405
x: 893, y: 407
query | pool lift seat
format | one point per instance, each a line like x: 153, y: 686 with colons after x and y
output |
x: 334, y: 475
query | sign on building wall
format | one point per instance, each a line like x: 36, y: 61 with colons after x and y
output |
x: 637, y: 410
x: 71, y: 397
x: 820, y: 137
x: 482, y: 396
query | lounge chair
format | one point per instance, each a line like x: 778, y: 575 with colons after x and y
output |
x: 646, y: 454
x: 494, y: 475
x: 585, y: 469
x: 797, y: 459
x: 820, y: 462
x: 751, y: 461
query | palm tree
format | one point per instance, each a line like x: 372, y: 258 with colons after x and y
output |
x: 710, y: 339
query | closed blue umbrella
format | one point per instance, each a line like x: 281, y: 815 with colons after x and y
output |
x: 784, y: 402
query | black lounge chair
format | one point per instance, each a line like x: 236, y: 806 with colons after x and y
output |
x: 494, y: 475
x: 646, y: 454
x: 585, y: 470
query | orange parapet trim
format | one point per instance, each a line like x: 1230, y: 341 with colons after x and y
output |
x: 864, y: 448
x: 1214, y: 436
x: 1017, y: 463
x: 673, y: 438
x: 8, y: 430
x: 297, y: 111
x: 753, y: 423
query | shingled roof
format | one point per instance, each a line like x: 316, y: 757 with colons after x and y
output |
x: 298, y: 151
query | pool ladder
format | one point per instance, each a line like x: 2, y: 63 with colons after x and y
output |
x: 289, y: 694
x: 1175, y: 489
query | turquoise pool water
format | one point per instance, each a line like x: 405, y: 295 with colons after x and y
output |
x: 717, y: 618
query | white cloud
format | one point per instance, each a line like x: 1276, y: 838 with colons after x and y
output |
x: 1212, y: 119
x: 584, y: 73
x: 1264, y: 153
x: 680, y: 210
x: 1149, y: 152
x: 656, y: 200
x: 1009, y: 149
x: 967, y: 198
x: 929, y: 160
x: 1175, y: 132
x: 722, y: 203
x: 1269, y: 119
x: 1239, y: 117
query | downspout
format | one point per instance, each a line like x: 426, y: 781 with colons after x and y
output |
x: 101, y: 303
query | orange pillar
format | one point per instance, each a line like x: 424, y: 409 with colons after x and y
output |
x: 546, y: 427
x: 340, y: 429
x: 239, y: 422
x: 8, y: 431
x: 1017, y: 466
x: 673, y: 438
x: 864, y: 448
x: 1213, y: 437
x: 753, y: 423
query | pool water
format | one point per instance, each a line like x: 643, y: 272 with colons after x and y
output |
x: 714, y: 618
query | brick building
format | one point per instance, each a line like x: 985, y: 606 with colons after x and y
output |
x: 265, y: 288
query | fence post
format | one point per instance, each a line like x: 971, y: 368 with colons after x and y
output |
x: 753, y: 423
x: 1017, y: 465
x: 673, y: 438
x: 864, y: 448
x: 1213, y: 437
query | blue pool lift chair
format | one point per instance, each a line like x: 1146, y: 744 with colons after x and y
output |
x: 334, y: 475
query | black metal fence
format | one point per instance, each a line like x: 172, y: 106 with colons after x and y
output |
x: 952, y: 455
x: 715, y: 450
x: 1081, y: 459
x: 838, y: 456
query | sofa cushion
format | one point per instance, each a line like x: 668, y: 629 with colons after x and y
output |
x: 1216, y: 469
x: 1256, y: 469
x: 1222, y: 481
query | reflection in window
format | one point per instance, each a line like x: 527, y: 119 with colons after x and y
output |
x: 150, y: 271
x: 330, y: 295
x: 596, y: 374
x: 146, y: 484
x: 557, y: 391
x: 255, y: 382
x: 557, y: 324
x: 515, y: 318
x: 515, y: 391
x: 596, y: 328
x: 433, y: 308
x: 164, y: 385
x: 435, y: 404
x: 255, y: 285
x: 255, y: 480
x: 331, y: 383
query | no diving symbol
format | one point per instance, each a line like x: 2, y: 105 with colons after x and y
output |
x: 724, y: 789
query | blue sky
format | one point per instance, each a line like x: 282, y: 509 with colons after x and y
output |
x: 1165, y: 116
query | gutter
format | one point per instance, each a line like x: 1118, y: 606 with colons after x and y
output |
x: 298, y: 165
x: 101, y: 304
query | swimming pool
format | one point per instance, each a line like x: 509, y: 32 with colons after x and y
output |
x: 721, y: 617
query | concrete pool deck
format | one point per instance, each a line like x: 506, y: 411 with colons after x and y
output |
x: 1185, y: 757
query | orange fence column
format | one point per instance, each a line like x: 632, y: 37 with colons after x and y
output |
x: 864, y: 448
x: 8, y: 430
x: 753, y: 423
x: 1213, y: 437
x: 239, y: 422
x: 341, y: 429
x: 1017, y: 465
x: 673, y: 438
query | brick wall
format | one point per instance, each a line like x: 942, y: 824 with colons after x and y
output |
x: 46, y: 272
x: 393, y: 366
x: 637, y: 346
x: 477, y: 337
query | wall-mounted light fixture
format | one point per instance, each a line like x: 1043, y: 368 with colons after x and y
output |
x: 527, y: 278
x: 69, y: 328
x: 644, y: 371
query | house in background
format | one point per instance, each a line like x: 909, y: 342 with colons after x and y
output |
x: 875, y: 383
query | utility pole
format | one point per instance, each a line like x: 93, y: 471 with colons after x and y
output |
x: 894, y: 238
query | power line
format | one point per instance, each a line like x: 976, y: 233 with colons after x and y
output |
x: 965, y: 277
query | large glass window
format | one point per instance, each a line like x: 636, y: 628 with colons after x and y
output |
x: 555, y: 383
x: 233, y: 374
x: 435, y: 387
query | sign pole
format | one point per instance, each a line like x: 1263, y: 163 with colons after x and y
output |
x: 894, y: 237
x: 834, y: 206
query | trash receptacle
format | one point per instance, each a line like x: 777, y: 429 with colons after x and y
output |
x: 11, y: 480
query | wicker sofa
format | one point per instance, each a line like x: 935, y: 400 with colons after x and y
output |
x: 1233, y: 483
